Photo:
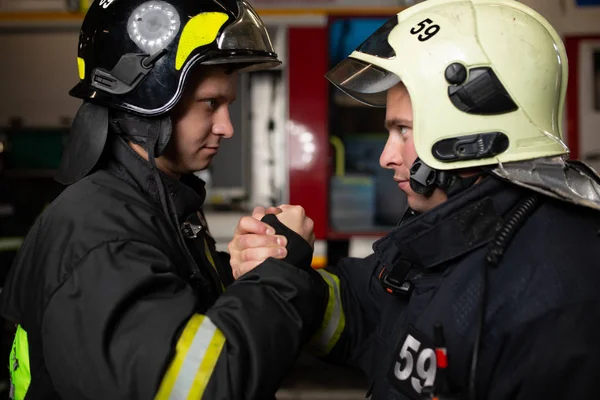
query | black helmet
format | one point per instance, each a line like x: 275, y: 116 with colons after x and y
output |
x: 135, y: 55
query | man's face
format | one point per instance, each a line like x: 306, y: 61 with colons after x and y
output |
x: 200, y: 121
x: 399, y: 153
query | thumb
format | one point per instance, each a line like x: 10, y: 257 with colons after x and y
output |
x: 258, y: 212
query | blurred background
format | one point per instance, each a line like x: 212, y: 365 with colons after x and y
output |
x: 298, y: 140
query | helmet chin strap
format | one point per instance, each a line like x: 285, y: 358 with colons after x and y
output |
x: 424, y: 180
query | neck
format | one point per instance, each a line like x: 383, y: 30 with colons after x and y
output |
x: 161, y: 163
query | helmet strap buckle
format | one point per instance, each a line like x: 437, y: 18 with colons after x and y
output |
x: 424, y: 180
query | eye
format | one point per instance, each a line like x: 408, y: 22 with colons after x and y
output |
x: 212, y: 103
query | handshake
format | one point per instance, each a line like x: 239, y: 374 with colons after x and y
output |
x: 254, y: 240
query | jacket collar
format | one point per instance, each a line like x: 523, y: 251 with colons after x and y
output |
x: 188, y: 193
x: 454, y: 228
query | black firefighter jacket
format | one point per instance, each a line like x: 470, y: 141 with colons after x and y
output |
x: 540, y: 337
x: 116, y: 308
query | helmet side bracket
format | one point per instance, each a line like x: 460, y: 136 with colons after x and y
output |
x: 131, y: 69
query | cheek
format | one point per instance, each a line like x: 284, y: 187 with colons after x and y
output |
x: 189, y: 131
x: 409, y: 154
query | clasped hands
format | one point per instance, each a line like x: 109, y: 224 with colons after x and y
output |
x: 254, y: 241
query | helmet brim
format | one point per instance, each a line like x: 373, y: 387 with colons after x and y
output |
x: 246, y: 60
x: 363, y: 81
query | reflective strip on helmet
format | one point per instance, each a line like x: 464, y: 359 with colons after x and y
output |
x: 333, y: 322
x: 199, y: 31
x: 81, y: 67
x: 20, y: 374
x: 196, y: 355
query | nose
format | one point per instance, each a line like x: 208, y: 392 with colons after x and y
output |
x: 222, y: 125
x: 391, y: 156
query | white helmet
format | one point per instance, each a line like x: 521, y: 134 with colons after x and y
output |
x: 487, y: 80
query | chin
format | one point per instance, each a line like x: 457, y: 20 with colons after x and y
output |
x: 200, y: 165
x: 423, y: 204
x: 416, y: 206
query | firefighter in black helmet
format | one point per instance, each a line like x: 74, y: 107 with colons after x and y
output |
x: 137, y: 56
x: 118, y: 291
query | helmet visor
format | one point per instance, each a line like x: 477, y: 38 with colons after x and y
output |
x: 363, y: 81
x: 246, y: 41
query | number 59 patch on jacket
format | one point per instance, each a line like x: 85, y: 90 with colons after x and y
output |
x: 414, y: 364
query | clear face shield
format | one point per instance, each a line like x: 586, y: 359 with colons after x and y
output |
x: 246, y: 41
x: 363, y: 81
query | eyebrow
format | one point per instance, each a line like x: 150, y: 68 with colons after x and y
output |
x: 217, y: 96
x: 389, y: 123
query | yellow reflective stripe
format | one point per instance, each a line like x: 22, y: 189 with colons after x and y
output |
x: 196, y: 355
x: 212, y: 261
x: 207, y: 366
x: 181, y: 349
x: 81, y: 67
x: 334, y: 321
x: 20, y: 374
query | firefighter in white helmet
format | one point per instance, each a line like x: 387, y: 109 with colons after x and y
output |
x: 488, y: 287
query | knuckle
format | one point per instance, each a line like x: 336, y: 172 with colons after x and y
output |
x: 245, y: 255
x: 241, y: 224
x: 234, y: 260
x: 242, y: 242
x: 251, y: 254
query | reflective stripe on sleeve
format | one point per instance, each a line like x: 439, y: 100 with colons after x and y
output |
x: 334, y: 320
x: 196, y: 355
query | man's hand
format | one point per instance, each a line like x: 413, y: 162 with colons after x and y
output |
x: 254, y: 241
x: 259, y: 212
x: 294, y: 217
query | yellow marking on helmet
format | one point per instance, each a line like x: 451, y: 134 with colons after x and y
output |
x: 199, y: 31
x: 84, y: 5
x: 81, y: 67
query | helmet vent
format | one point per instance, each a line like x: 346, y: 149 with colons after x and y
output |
x: 480, y: 93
